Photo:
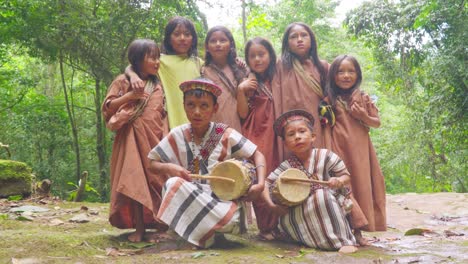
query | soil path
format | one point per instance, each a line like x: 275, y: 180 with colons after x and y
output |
x: 64, y: 232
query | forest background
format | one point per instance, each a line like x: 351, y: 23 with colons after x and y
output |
x: 57, y: 58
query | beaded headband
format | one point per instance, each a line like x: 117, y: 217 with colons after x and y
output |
x: 201, y: 84
x: 293, y: 115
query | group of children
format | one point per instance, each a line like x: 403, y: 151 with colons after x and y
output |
x: 267, y: 112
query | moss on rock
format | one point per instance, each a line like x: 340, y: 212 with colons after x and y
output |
x: 15, y: 178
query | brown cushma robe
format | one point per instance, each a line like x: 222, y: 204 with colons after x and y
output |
x: 351, y: 141
x: 291, y: 92
x: 258, y: 127
x: 129, y: 166
x: 227, y: 101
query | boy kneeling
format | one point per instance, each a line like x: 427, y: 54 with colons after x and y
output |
x: 189, y: 206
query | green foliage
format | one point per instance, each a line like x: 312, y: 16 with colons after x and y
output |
x: 15, y: 197
x: 420, y: 46
x: 90, y: 193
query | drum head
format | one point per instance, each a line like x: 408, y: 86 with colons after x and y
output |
x: 294, y: 192
x: 234, y: 170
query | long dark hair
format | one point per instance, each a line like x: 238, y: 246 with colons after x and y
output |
x: 334, y: 90
x: 232, y: 55
x: 138, y: 50
x: 171, y: 26
x: 287, y: 56
x: 271, y: 66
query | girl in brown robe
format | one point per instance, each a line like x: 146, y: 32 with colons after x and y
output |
x: 255, y: 107
x: 355, y: 113
x: 300, y: 79
x: 221, y: 67
x: 139, y: 120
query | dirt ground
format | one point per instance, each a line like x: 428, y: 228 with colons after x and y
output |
x: 53, y: 231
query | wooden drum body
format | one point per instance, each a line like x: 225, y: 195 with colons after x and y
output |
x: 290, y: 193
x: 242, y: 172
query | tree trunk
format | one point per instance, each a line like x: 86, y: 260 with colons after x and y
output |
x: 76, y: 146
x: 244, y: 21
x: 100, y: 142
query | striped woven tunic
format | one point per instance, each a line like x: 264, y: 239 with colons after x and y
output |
x: 320, y: 221
x: 190, y: 208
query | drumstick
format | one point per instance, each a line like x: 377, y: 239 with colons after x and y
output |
x: 210, y: 177
x: 304, y: 180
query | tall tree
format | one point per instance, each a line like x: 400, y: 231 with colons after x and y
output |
x: 421, y: 47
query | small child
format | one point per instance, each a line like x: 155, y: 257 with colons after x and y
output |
x: 179, y: 63
x: 140, y: 122
x: 222, y: 68
x: 189, y: 207
x: 355, y: 113
x: 255, y: 107
x: 320, y: 221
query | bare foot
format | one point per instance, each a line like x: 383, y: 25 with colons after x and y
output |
x: 266, y: 236
x: 362, y: 241
x: 136, y: 236
x: 348, y: 249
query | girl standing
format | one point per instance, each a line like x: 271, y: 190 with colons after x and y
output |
x: 139, y: 120
x: 255, y: 108
x: 301, y: 78
x: 179, y: 63
x: 221, y: 67
x: 355, y: 113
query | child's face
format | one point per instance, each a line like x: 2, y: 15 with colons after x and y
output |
x: 199, y: 110
x: 218, y: 46
x: 258, y: 58
x: 346, y: 76
x: 298, y: 137
x: 299, y: 41
x: 150, y: 64
x: 181, y: 40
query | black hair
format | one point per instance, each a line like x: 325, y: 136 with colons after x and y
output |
x: 239, y: 74
x: 271, y: 51
x: 199, y: 93
x: 335, y: 91
x: 287, y: 56
x: 137, y: 52
x: 171, y: 26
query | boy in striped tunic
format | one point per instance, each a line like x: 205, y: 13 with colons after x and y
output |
x: 320, y: 221
x: 188, y: 205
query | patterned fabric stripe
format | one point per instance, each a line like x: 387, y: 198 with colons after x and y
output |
x: 199, y: 217
x: 160, y: 154
x: 318, y: 223
x: 239, y: 145
x: 173, y: 144
x: 222, y: 222
x: 183, y: 207
x: 329, y: 227
x: 322, y: 216
x: 168, y: 195
x: 224, y: 142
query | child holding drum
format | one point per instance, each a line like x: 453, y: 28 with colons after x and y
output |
x: 189, y: 206
x: 320, y: 221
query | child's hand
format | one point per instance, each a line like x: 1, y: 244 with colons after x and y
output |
x: 136, y: 83
x: 358, y: 111
x: 248, y: 86
x: 174, y: 170
x: 134, y: 95
x: 335, y: 183
x: 254, y: 193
